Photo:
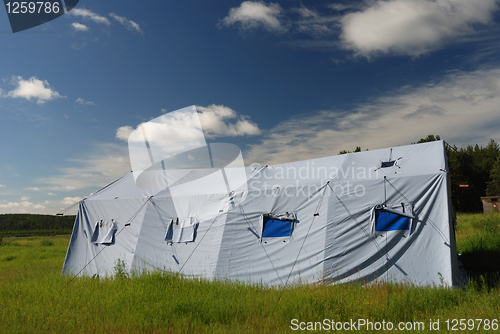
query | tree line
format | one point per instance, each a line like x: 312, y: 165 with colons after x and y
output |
x: 24, y: 224
x: 474, y: 172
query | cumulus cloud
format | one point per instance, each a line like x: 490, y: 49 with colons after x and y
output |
x: 181, y: 131
x: 253, y: 14
x: 89, y: 15
x: 2, y: 186
x: 411, y: 27
x: 70, y: 200
x: 33, y: 88
x: 370, y: 28
x: 20, y: 207
x: 63, y: 188
x: 167, y: 135
x: 214, y: 122
x: 128, y: 24
x: 84, y: 102
x: 124, y: 132
x: 33, y: 189
x: 79, y: 27
x: 213, y: 119
x: 462, y: 108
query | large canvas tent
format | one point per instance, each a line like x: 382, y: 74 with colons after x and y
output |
x: 381, y: 215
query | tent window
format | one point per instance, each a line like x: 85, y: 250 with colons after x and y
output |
x: 390, y: 162
x: 104, y: 232
x: 181, y: 230
x: 277, y: 226
x: 392, y: 218
x: 389, y: 221
x: 386, y: 164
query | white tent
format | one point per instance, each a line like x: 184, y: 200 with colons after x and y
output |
x: 382, y: 215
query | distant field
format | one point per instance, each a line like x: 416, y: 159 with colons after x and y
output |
x: 36, y: 299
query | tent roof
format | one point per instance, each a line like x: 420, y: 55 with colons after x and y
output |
x: 410, y: 160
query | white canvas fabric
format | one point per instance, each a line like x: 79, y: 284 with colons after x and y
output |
x: 332, y: 240
x: 182, y: 230
x: 104, y: 232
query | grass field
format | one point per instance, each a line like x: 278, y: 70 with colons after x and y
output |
x: 35, y: 298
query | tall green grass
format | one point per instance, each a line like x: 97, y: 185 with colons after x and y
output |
x: 35, y: 298
x: 478, y: 242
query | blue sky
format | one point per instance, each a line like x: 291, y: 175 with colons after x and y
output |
x: 285, y: 81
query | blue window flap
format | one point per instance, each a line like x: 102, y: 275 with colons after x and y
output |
x: 275, y: 228
x: 390, y: 221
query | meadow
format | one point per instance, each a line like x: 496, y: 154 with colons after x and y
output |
x: 35, y: 298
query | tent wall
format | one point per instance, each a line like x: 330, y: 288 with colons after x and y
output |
x: 424, y: 257
x: 196, y: 258
x: 245, y: 257
x: 331, y: 241
x: 86, y: 258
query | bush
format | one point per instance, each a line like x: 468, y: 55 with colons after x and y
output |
x: 120, y: 270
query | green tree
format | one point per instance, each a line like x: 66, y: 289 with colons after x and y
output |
x: 429, y: 138
x: 493, y: 188
x: 358, y: 149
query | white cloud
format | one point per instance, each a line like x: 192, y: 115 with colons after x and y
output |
x: 128, y: 24
x: 462, y: 108
x: 25, y: 198
x: 79, y: 26
x: 62, y: 188
x: 370, y: 28
x: 33, y: 88
x: 181, y: 131
x: 2, y: 186
x: 412, y: 27
x: 89, y: 15
x: 20, y: 207
x: 33, y: 189
x: 50, y: 194
x: 124, y: 132
x: 84, y: 102
x: 253, y: 14
x: 213, y: 120
x: 71, y: 200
